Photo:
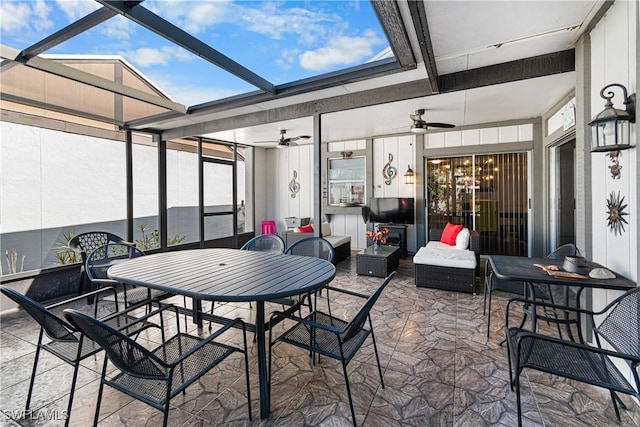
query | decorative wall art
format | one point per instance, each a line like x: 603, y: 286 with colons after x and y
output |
x: 616, y: 213
x: 389, y: 172
x: 294, y: 186
x: 615, y: 167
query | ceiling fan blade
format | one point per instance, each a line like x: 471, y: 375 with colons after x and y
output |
x: 266, y: 142
x: 295, y: 138
x: 440, y: 125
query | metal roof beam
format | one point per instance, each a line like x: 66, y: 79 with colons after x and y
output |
x: 81, y: 25
x: 419, y: 17
x: 395, y: 30
x: 366, y: 98
x: 59, y: 109
x: 61, y: 70
x: 164, y: 28
x: 521, y: 69
x: 361, y: 72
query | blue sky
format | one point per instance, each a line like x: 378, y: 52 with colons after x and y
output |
x: 282, y: 41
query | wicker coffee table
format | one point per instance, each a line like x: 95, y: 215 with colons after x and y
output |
x: 378, y: 261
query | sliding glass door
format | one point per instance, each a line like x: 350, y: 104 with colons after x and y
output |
x: 487, y: 193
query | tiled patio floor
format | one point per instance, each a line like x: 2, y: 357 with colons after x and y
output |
x: 439, y: 370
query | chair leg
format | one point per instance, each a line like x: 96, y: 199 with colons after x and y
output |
x: 518, y: 400
x: 33, y: 373
x: 489, y: 315
x: 246, y: 367
x: 100, y: 390
x: 76, y: 367
x: 614, y: 399
x: 375, y: 350
x: 346, y: 381
x: 484, y: 307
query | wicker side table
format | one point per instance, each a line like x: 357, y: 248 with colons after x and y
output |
x: 378, y: 261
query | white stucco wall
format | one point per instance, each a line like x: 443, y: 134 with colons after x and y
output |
x: 54, y: 182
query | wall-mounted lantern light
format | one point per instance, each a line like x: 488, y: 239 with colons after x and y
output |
x: 409, y: 175
x: 611, y: 129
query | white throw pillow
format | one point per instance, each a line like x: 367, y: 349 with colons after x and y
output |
x: 462, y: 239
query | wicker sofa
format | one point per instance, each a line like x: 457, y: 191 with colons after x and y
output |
x: 341, y: 244
x: 446, y: 267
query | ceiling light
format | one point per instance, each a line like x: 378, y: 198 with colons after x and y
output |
x: 419, y: 127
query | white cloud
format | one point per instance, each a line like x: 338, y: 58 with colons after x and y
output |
x: 306, y: 25
x: 341, y: 50
x: 288, y: 58
x: 193, y: 17
x: 190, y: 94
x: 41, y: 11
x: 21, y: 16
x: 76, y: 9
x: 119, y: 28
x: 15, y: 16
x: 148, y: 56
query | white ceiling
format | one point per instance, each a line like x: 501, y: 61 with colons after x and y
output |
x: 463, y: 35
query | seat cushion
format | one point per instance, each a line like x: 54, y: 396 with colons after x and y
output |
x: 438, y: 253
x: 337, y: 240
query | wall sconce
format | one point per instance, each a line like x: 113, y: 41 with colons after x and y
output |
x: 408, y: 175
x: 611, y: 129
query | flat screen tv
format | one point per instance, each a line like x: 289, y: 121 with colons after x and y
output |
x: 397, y: 210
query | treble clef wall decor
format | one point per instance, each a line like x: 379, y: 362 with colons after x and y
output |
x: 294, y: 186
x: 388, y: 171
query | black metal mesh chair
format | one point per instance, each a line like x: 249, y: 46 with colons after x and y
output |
x: 327, y: 335
x: 86, y: 243
x: 314, y: 247
x: 103, y: 257
x: 155, y: 376
x: 582, y: 362
x: 61, y: 339
x: 541, y: 292
x: 271, y: 243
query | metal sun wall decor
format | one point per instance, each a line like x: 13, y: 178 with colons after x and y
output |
x: 389, y: 172
x: 294, y: 186
x: 616, y: 213
x: 615, y: 167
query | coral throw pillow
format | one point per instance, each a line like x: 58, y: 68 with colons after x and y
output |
x: 450, y: 233
x: 305, y: 229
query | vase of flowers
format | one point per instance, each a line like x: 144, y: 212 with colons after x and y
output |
x: 378, y: 236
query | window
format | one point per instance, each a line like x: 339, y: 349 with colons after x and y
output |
x: 347, y: 182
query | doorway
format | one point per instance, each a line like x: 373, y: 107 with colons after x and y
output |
x: 565, y: 193
x: 488, y: 193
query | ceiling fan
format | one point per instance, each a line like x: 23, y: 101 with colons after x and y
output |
x: 420, y: 126
x: 283, y: 141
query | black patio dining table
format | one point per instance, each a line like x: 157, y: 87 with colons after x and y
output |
x: 229, y: 275
x: 522, y: 269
